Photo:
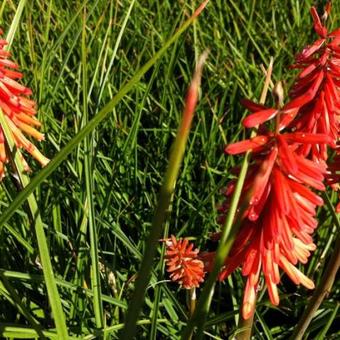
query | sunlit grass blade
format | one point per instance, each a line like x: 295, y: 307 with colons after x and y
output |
x: 15, y: 23
x: 13, y: 332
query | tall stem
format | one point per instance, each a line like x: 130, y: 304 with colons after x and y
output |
x: 245, y: 327
x: 229, y: 232
x: 165, y: 196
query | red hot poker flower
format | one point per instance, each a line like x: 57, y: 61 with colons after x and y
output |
x: 277, y: 225
x: 183, y: 263
x: 19, y: 111
x: 316, y: 92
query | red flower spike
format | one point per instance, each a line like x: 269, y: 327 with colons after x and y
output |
x: 316, y: 91
x: 183, y: 263
x: 277, y: 225
x: 18, y: 110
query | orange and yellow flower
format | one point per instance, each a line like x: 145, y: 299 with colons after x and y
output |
x: 19, y: 111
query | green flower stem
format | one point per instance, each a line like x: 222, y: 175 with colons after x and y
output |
x: 245, y: 327
x: 192, y: 300
x: 326, y: 282
x: 203, y: 305
x: 228, y: 236
x: 166, y: 192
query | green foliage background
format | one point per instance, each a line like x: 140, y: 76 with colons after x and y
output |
x: 128, y: 155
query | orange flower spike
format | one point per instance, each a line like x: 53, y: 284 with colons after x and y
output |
x: 19, y: 111
x: 183, y: 263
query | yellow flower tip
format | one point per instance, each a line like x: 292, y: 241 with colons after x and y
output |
x: 249, y: 300
x: 3, y: 157
x: 39, y: 137
x: 31, y: 131
x: 24, y: 164
x: 45, y: 162
x: 247, y: 310
x: 27, y: 167
x: 40, y: 157
x: 2, y: 171
x: 306, y: 281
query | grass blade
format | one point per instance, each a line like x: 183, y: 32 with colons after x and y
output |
x: 88, y: 151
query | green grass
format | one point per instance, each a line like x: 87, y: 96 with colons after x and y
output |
x: 97, y: 204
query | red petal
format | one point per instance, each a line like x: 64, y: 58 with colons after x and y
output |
x: 245, y: 145
x: 306, y: 193
x: 286, y: 155
x: 337, y: 209
x: 335, y: 33
x: 309, y: 50
x: 308, y: 70
x: 310, y: 138
x: 282, y: 191
x: 308, y: 96
x: 287, y: 117
x: 262, y: 177
x: 259, y: 117
x: 251, y: 106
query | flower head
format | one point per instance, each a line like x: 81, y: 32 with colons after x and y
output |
x: 18, y: 110
x: 277, y: 205
x: 279, y: 217
x: 315, y: 93
x: 183, y: 263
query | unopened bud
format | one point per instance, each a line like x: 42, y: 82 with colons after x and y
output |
x: 278, y: 94
x: 328, y: 8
